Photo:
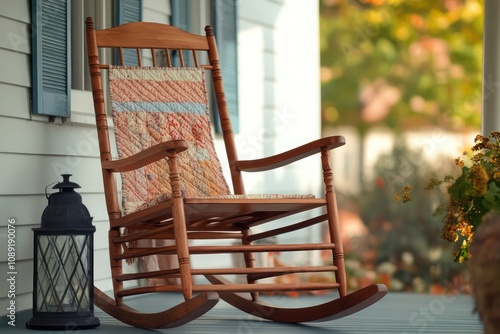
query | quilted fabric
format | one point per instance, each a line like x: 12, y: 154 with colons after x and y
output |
x: 152, y: 105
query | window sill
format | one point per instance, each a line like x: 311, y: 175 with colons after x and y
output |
x: 82, y: 108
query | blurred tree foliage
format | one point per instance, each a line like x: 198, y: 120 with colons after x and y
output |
x: 407, y: 236
x: 401, y: 63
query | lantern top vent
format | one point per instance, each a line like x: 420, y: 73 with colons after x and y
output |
x: 65, y: 210
x: 66, y: 183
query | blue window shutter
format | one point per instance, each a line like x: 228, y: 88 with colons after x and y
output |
x: 128, y: 11
x: 180, y: 19
x: 51, y: 54
x: 226, y: 32
x: 180, y: 14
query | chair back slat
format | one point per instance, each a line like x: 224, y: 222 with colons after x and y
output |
x: 184, y: 57
x: 195, y: 58
x: 169, y: 60
x: 139, y: 57
x: 181, y: 57
x: 153, y: 57
x: 122, y: 58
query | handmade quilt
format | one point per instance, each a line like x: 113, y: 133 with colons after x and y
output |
x: 152, y: 105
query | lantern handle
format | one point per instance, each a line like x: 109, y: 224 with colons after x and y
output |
x: 47, y: 195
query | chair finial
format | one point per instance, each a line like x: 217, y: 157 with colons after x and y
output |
x: 89, y: 22
x: 209, y: 30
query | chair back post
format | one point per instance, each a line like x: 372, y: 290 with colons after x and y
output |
x: 101, y: 119
x: 105, y: 151
x: 225, y: 121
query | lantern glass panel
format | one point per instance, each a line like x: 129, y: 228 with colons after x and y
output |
x: 63, y: 273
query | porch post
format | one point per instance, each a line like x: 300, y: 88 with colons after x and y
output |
x: 491, y: 68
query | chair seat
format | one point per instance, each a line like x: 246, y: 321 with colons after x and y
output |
x: 165, y: 197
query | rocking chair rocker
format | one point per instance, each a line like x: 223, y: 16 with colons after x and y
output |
x: 172, y: 187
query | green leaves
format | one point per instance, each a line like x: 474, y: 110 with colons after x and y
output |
x: 491, y: 201
x: 460, y: 187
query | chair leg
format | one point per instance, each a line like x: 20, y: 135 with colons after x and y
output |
x: 333, y: 222
x: 249, y: 261
x: 182, y: 249
x: 338, y: 251
x: 116, y: 265
x: 180, y: 230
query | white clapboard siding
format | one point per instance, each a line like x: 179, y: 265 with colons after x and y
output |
x: 15, y: 82
x: 36, y: 203
x: 21, y: 238
x: 19, y: 12
x: 15, y: 103
x: 15, y: 68
x: 23, y: 286
x: 15, y: 36
x: 24, y: 271
x: 156, y: 11
x: 30, y: 174
x: 71, y: 140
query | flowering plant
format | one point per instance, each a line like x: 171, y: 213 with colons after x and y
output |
x: 473, y: 194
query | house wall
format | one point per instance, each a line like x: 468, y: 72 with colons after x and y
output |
x: 27, y: 149
x: 277, y: 98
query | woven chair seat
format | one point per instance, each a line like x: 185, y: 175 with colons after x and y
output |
x: 163, y: 198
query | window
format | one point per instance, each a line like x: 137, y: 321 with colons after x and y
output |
x: 101, y: 12
x: 224, y: 17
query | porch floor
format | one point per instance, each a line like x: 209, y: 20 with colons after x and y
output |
x: 396, y: 313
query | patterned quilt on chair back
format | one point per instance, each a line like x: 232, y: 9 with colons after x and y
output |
x: 152, y: 105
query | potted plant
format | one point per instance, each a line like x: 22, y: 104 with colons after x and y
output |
x: 471, y: 217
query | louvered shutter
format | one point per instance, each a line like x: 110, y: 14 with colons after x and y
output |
x: 180, y: 14
x: 51, y: 54
x: 226, y: 32
x: 128, y: 11
x: 180, y: 19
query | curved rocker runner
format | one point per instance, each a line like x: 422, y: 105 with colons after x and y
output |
x: 173, y: 317
x: 332, y: 310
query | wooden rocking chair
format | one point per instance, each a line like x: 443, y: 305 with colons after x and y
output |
x: 172, y: 187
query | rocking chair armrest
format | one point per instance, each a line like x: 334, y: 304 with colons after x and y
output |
x: 295, y: 154
x: 143, y: 158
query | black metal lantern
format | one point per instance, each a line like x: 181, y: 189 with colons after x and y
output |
x: 63, y: 279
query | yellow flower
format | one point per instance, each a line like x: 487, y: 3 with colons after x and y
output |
x: 478, y: 177
x: 403, y: 195
x: 480, y: 143
x: 496, y: 135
